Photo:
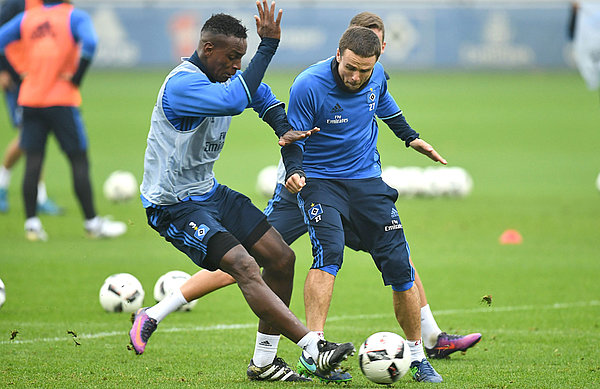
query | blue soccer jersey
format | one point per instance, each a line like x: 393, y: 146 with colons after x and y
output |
x: 346, y: 146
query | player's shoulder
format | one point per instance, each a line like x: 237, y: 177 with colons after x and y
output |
x: 316, y: 75
x: 379, y: 73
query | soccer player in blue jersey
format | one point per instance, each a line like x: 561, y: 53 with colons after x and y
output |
x: 337, y: 174
x: 219, y: 228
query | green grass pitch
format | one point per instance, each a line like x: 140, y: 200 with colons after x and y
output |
x: 529, y: 140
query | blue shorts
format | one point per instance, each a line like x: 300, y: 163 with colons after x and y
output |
x: 189, y: 225
x: 14, y: 109
x: 286, y: 217
x: 64, y: 122
x: 366, y: 207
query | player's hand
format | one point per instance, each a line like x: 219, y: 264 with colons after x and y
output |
x: 291, y: 136
x: 425, y: 148
x: 6, y: 81
x: 295, y: 183
x: 266, y: 25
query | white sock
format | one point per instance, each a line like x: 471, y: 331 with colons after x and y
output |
x: 265, y: 349
x: 429, y: 327
x: 91, y: 224
x: 4, y: 177
x: 42, y: 194
x: 416, y: 350
x: 33, y: 223
x: 321, y: 335
x: 309, y: 344
x: 167, y: 305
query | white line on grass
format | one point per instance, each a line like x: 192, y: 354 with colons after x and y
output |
x: 226, y: 327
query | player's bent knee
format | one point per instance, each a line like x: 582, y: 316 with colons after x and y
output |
x: 240, y: 265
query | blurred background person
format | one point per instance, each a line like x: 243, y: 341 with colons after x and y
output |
x: 58, y: 42
x: 8, y: 10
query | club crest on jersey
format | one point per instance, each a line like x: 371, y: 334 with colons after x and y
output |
x: 200, y: 230
x: 371, y: 97
x: 315, y: 212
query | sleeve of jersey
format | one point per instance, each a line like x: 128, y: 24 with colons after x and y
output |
x: 301, y: 113
x: 271, y: 110
x: 390, y: 113
x: 10, y: 32
x: 84, y: 33
x: 192, y: 94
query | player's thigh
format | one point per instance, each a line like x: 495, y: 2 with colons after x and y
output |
x: 35, y: 130
x: 271, y: 251
x: 239, y: 216
x: 189, y: 226
x: 285, y: 216
x: 376, y: 221
x: 326, y: 233
x: 68, y: 128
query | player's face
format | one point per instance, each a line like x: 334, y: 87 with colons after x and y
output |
x: 353, y: 69
x: 224, y: 59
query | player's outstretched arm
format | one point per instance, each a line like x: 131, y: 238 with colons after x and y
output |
x: 425, y: 148
x: 266, y: 25
x: 292, y: 135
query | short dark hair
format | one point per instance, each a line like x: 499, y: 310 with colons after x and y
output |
x: 223, y: 24
x: 368, y: 20
x: 361, y: 41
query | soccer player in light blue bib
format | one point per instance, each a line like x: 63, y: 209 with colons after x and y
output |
x: 215, y: 226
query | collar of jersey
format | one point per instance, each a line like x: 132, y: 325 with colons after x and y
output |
x: 195, y: 59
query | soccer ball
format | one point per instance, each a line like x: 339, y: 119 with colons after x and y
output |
x: 120, y: 186
x: 384, y: 357
x: 169, y: 282
x: 2, y: 294
x: 121, y: 292
x: 598, y: 182
x: 266, y: 181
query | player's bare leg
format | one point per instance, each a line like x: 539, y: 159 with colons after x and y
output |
x: 261, y: 299
x: 408, y: 314
x: 205, y: 282
x: 12, y: 153
x: 407, y: 309
x: 277, y: 260
x: 318, y: 290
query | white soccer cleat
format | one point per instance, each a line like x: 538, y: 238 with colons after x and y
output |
x: 36, y: 235
x: 34, y: 231
x: 103, y: 227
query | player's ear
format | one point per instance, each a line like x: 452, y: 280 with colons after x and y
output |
x: 382, y: 47
x: 208, y: 48
x: 338, y: 57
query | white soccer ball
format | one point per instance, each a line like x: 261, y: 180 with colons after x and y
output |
x: 266, y: 181
x: 2, y: 294
x: 120, y: 186
x: 384, y: 357
x: 168, y: 283
x: 459, y: 181
x: 598, y: 182
x: 121, y: 292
